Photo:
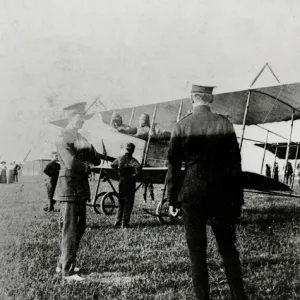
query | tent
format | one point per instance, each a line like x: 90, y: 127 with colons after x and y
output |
x: 34, y: 167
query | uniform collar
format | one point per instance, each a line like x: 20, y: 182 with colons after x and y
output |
x: 202, y: 108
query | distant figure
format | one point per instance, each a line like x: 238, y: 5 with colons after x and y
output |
x: 3, y: 177
x: 288, y: 173
x: 268, y: 170
x: 10, y: 172
x: 16, y: 172
x: 276, y: 173
x: 127, y: 168
x: 298, y: 172
x: 52, y: 171
x: 117, y: 123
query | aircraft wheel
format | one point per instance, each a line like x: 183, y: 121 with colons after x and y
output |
x: 164, y: 217
x: 97, y: 202
x: 108, y: 203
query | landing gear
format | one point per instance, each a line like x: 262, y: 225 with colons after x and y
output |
x: 108, y: 202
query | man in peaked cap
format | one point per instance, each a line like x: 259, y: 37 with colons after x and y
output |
x: 211, y: 192
x: 127, y: 168
x: 75, y: 154
x: 117, y: 123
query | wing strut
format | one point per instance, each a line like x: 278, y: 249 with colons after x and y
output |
x: 179, y: 111
x: 261, y: 71
x: 131, y: 117
x: 295, y: 165
x: 245, y: 118
x: 149, y: 136
x: 288, y: 146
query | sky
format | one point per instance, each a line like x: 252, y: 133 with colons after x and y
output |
x: 55, y: 53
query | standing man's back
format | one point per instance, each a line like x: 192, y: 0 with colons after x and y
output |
x: 127, y: 168
x: 211, y: 190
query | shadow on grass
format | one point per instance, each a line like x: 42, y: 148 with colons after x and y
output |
x: 139, y: 225
x: 271, y: 215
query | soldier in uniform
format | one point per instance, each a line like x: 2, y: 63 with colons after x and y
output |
x: 117, y: 123
x: 143, y: 133
x: 127, y: 168
x: 211, y: 192
x: 52, y: 171
x: 72, y: 189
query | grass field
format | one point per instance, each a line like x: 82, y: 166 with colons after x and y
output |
x: 147, y: 261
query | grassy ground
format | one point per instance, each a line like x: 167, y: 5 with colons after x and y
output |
x: 147, y: 261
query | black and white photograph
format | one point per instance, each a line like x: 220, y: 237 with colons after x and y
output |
x: 150, y: 150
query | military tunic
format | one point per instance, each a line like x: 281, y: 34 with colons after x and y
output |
x: 127, y: 167
x: 72, y: 190
x: 211, y: 190
x: 207, y: 144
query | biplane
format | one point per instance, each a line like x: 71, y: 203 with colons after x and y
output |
x: 246, y: 107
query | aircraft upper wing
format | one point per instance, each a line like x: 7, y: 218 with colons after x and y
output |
x: 267, y: 105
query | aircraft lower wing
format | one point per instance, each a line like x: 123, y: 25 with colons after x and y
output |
x: 254, y: 181
x: 155, y: 175
x: 251, y: 181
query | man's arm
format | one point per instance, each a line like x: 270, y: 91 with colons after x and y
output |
x: 68, y: 157
x: 235, y: 166
x: 94, y: 156
x: 137, y: 166
x: 143, y: 133
x: 47, y: 169
x: 127, y: 129
x: 175, y: 158
x: 115, y: 165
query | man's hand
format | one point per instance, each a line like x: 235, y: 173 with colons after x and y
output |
x: 173, y: 211
x: 87, y: 168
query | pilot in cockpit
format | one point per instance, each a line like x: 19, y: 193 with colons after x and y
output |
x: 117, y: 123
x: 144, y: 127
x: 156, y: 132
